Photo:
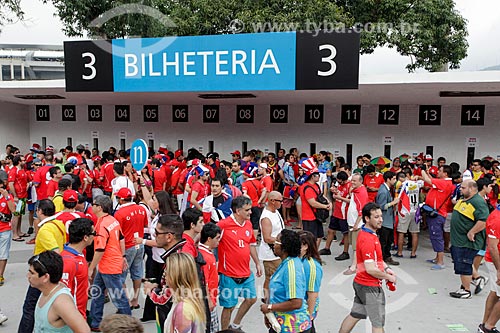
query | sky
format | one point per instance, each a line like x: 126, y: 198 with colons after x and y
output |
x: 42, y: 27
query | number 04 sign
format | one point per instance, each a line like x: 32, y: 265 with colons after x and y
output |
x: 233, y: 62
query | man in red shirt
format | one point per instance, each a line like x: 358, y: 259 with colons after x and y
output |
x: 236, y: 247
x: 69, y: 213
x: 492, y: 258
x: 372, y: 181
x: 369, y: 299
x: 75, y: 272
x: 199, y: 187
x: 310, y: 190
x: 253, y: 189
x: 265, y: 179
x: 107, y: 174
x: 439, y: 197
x: 7, y: 206
x: 193, y: 223
x: 159, y: 176
x: 55, y: 175
x: 18, y: 186
x: 133, y: 218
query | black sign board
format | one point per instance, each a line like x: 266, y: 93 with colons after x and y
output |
x: 68, y: 112
x: 95, y: 112
x: 122, y: 113
x: 472, y: 115
x: 180, y: 113
x: 278, y: 114
x: 151, y: 114
x: 388, y: 114
x: 245, y: 114
x: 210, y: 113
x: 429, y: 115
x: 314, y: 114
x: 42, y: 113
x: 350, y: 114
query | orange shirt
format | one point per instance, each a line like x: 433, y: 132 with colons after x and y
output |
x: 108, y: 238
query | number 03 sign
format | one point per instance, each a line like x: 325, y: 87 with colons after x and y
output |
x: 236, y: 62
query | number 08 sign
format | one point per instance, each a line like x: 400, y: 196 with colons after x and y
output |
x: 236, y: 62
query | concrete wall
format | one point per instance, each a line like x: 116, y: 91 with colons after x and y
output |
x: 449, y: 139
x: 14, y: 126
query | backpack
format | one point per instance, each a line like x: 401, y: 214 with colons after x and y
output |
x: 321, y: 214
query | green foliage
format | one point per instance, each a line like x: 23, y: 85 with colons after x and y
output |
x: 10, y: 11
x: 431, y: 32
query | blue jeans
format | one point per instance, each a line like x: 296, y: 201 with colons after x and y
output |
x: 113, y: 283
x: 28, y: 320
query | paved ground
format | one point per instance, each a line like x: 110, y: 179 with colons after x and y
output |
x: 410, y: 309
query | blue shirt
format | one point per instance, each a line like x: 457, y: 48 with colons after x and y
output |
x: 288, y: 282
x: 314, y: 274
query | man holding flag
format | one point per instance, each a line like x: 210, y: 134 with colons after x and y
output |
x: 407, y: 207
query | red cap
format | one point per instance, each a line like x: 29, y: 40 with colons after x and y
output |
x: 174, y: 163
x: 124, y: 193
x: 163, y: 150
x: 236, y: 152
x: 178, y: 153
x: 70, y: 196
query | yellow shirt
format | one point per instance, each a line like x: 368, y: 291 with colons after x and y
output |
x: 50, y: 236
x: 58, y: 202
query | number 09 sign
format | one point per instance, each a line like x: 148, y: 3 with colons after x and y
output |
x: 234, y: 62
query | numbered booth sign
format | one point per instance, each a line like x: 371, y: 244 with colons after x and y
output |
x: 388, y: 115
x: 429, y: 115
x: 210, y: 113
x: 42, y: 113
x: 151, y: 114
x: 244, y: 114
x: 122, y: 113
x: 68, y: 112
x: 350, y: 114
x: 180, y: 114
x: 314, y: 114
x: 278, y: 114
x: 95, y: 112
x: 472, y: 115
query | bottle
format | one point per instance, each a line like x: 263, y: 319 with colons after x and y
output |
x: 390, y: 285
x: 273, y: 321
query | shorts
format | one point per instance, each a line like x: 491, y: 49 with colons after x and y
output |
x: 255, y: 217
x: 493, y: 278
x: 287, y: 203
x: 447, y: 223
x: 463, y: 257
x: 20, y: 207
x: 436, y: 232
x: 481, y: 253
x: 35, y: 215
x: 338, y: 224
x: 270, y: 266
x: 353, y: 237
x: 214, y: 321
x: 5, y: 237
x: 229, y: 290
x: 408, y: 223
x: 369, y: 302
x: 135, y: 263
x: 314, y: 226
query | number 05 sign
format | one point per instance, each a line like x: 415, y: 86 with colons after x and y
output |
x: 233, y: 62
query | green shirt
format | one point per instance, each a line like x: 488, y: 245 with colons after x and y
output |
x: 465, y: 215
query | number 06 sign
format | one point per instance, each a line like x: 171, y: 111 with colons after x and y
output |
x: 236, y: 62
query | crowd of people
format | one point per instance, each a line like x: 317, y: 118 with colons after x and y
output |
x: 186, y: 228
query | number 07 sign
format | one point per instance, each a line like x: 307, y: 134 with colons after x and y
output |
x: 236, y: 62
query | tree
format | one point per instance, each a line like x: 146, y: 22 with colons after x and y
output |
x: 431, y: 32
x: 10, y: 10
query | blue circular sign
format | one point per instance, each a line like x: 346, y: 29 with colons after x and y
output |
x: 139, y: 154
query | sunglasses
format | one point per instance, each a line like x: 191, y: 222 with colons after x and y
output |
x: 93, y: 233
x: 37, y: 259
x: 163, y: 233
x: 277, y: 200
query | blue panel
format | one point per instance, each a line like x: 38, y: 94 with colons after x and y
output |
x: 239, y: 62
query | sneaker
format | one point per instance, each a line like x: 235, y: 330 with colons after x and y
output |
x: 431, y: 261
x: 30, y: 231
x: 461, y: 293
x: 3, y: 318
x: 2, y: 281
x: 390, y: 261
x: 437, y: 267
x: 482, y: 329
x: 325, y: 252
x: 235, y: 328
x: 480, y: 282
x: 343, y: 256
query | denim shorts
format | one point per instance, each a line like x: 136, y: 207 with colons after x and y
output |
x: 463, y: 257
x: 230, y: 290
x: 135, y: 263
x: 5, y: 237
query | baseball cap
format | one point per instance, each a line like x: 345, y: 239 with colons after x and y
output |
x: 70, y: 196
x: 124, y: 193
x: 80, y: 147
x: 263, y: 165
x: 309, y: 166
x: 236, y: 152
x: 49, y: 149
x: 428, y: 157
x: 178, y: 153
x: 37, y: 160
x: 251, y: 169
x: 35, y: 147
